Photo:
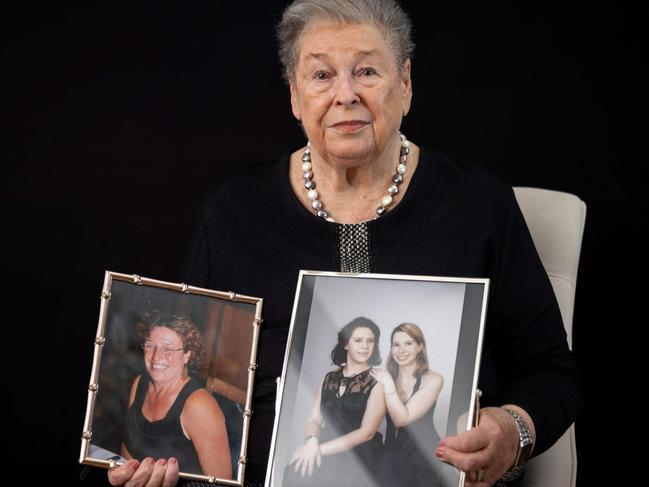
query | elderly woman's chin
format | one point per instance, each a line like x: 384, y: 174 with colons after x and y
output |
x: 352, y: 148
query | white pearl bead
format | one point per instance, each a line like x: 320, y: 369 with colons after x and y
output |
x: 306, y: 166
x: 331, y: 220
x: 317, y: 204
x: 401, y: 169
x: 387, y: 200
x: 405, y: 143
x: 393, y: 189
x: 312, y: 194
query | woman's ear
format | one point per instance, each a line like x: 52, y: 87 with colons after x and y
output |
x: 406, y: 87
x: 295, y: 102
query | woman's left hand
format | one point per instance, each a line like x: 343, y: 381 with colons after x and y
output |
x: 149, y: 473
x: 485, y: 452
x: 306, y: 457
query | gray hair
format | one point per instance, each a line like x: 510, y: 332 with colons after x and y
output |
x: 387, y: 15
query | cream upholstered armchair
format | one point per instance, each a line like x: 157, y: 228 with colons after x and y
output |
x: 556, y: 222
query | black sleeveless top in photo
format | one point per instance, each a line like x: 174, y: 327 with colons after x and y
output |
x: 163, y: 438
x: 342, y: 413
x: 409, y: 458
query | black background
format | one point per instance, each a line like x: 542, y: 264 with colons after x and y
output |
x: 121, y: 116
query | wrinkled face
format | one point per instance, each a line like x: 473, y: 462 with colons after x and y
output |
x: 360, y: 345
x: 348, y: 91
x: 164, y: 357
x: 404, y: 349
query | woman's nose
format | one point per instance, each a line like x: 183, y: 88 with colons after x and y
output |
x: 346, y: 91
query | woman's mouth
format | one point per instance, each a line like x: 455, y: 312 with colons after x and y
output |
x: 350, y: 125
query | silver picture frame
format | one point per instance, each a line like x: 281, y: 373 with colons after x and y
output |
x: 229, y: 326
x: 449, y: 310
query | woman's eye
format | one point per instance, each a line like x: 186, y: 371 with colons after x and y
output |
x: 320, y: 75
x: 367, y: 72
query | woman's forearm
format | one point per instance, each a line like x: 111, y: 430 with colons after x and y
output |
x: 346, y: 442
x: 397, y: 410
x: 418, y: 404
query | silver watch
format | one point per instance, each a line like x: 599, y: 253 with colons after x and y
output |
x: 525, y: 440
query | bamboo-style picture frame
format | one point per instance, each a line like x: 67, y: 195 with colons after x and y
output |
x: 151, y: 335
x: 324, y: 409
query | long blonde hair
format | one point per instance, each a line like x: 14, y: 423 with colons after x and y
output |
x: 417, y: 335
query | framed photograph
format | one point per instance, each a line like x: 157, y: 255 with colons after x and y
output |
x: 377, y: 370
x: 172, y: 376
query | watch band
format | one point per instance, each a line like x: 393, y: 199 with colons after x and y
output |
x: 525, y: 440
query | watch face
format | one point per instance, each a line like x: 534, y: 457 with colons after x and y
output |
x: 523, y: 454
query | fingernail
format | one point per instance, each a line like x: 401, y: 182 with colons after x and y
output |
x: 441, y: 443
x: 149, y: 461
x: 173, y: 460
x: 162, y: 461
x: 134, y: 464
x: 439, y: 453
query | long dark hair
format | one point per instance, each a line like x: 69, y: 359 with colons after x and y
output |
x: 339, y: 354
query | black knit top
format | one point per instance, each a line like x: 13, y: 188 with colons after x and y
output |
x: 254, y: 236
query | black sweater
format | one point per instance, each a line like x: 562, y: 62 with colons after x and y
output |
x: 254, y: 237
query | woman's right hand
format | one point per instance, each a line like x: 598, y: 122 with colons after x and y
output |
x: 383, y: 377
x: 306, y: 457
x: 162, y: 473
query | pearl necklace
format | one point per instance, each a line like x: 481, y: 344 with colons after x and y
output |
x: 317, y: 204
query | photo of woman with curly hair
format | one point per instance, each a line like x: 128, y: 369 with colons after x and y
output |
x: 170, y: 414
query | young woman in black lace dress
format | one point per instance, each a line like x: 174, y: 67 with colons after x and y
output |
x: 342, y: 446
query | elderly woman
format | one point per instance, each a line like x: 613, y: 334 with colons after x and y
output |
x: 359, y: 196
x: 170, y: 414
